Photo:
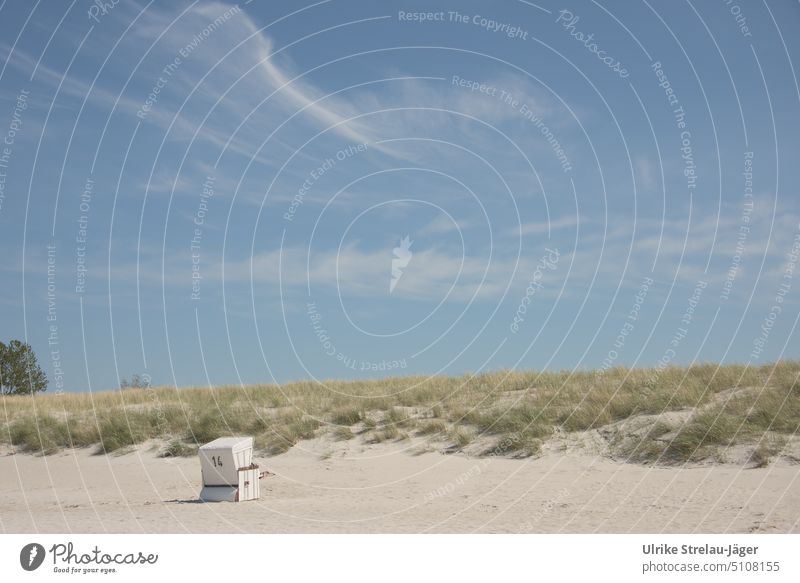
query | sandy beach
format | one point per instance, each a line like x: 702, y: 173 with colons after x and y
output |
x: 322, y: 486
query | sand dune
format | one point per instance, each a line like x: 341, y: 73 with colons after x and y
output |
x: 325, y: 486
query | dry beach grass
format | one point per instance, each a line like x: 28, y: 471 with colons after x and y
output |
x: 698, y: 414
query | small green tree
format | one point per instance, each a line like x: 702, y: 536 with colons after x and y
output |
x: 19, y: 372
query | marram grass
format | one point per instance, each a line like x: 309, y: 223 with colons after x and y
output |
x: 680, y: 414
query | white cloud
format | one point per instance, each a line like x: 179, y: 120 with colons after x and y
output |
x: 544, y: 227
x: 645, y: 173
x: 442, y: 225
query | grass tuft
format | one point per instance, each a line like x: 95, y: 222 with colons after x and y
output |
x: 178, y: 448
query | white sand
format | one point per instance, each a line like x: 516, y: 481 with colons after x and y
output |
x: 383, y: 488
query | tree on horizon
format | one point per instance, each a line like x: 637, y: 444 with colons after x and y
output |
x: 20, y: 374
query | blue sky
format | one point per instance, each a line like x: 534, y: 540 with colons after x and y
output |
x: 581, y: 185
